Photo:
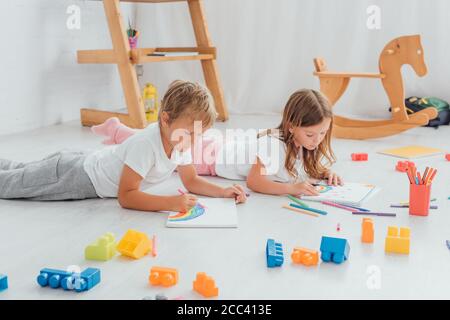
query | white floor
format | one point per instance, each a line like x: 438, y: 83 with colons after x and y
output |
x: 35, y: 235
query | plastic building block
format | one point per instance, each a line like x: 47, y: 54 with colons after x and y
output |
x: 447, y: 242
x: 360, y: 156
x: 367, y: 230
x: 304, y: 256
x: 78, y: 282
x: 397, y: 242
x: 447, y: 156
x: 165, y: 277
x: 3, y: 282
x: 205, y: 285
x: 103, y: 249
x: 334, y: 249
x: 134, y: 244
x: 274, y: 254
x: 403, y: 165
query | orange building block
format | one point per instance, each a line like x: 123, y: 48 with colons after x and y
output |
x: 367, y: 230
x: 205, y: 285
x: 160, y: 276
x: 134, y: 244
x: 304, y: 256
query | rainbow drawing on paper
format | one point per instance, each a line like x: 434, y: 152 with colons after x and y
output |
x: 323, y: 188
x: 193, y: 213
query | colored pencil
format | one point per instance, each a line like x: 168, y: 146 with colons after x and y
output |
x: 297, y: 200
x: 407, y: 206
x: 430, y: 173
x: 419, y: 179
x: 432, y: 176
x: 300, y: 211
x: 357, y: 208
x: 408, y: 173
x: 407, y: 202
x: 424, y: 178
x: 337, y: 205
x: 380, y: 214
x: 154, y: 246
x: 308, y: 209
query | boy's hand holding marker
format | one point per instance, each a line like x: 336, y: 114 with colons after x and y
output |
x: 184, y: 202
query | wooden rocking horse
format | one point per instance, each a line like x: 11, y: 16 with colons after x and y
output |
x: 400, y: 51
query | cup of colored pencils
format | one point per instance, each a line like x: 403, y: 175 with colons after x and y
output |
x: 420, y: 190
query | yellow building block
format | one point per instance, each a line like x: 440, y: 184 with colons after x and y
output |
x: 103, y: 249
x: 134, y: 244
x: 397, y: 240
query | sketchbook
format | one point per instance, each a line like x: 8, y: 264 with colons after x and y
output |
x: 208, y: 213
x: 352, y: 194
x: 411, y: 152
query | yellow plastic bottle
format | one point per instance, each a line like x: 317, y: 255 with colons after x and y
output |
x: 150, y: 98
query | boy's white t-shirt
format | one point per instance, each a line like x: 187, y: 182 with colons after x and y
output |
x: 143, y: 153
x: 236, y: 157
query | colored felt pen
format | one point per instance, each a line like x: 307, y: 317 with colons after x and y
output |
x: 357, y: 208
x: 337, y: 205
x: 300, y: 211
x: 381, y: 214
x: 297, y: 200
x: 308, y: 209
x: 154, y: 246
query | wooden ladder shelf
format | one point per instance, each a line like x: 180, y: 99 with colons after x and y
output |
x: 127, y: 58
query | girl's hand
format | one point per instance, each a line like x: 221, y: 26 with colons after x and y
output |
x: 303, y: 188
x: 237, y: 192
x: 184, y: 202
x: 333, y: 179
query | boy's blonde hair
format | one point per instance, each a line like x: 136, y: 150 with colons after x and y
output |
x: 191, y: 100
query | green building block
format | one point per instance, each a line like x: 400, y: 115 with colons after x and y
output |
x: 103, y: 249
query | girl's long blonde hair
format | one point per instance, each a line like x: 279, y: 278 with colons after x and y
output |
x: 306, y: 108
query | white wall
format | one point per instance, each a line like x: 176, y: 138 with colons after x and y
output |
x: 266, y: 47
x: 40, y: 80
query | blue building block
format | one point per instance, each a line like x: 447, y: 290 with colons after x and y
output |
x: 69, y: 280
x: 3, y: 282
x: 274, y: 254
x: 334, y: 249
x: 91, y: 276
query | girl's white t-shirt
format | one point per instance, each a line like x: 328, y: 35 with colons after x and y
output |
x: 143, y: 153
x: 236, y: 157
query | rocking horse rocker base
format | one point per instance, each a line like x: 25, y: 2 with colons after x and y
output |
x: 400, y: 51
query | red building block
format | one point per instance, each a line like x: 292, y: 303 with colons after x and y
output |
x: 403, y: 165
x: 447, y: 156
x: 360, y: 157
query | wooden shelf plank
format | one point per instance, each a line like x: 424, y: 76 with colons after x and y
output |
x: 152, y: 1
x: 140, y: 55
x: 145, y: 58
x: 329, y: 74
x: 91, y: 117
x: 96, y: 56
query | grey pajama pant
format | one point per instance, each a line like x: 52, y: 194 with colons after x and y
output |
x: 59, y: 176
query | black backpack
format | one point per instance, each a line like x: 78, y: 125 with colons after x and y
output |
x: 416, y: 104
